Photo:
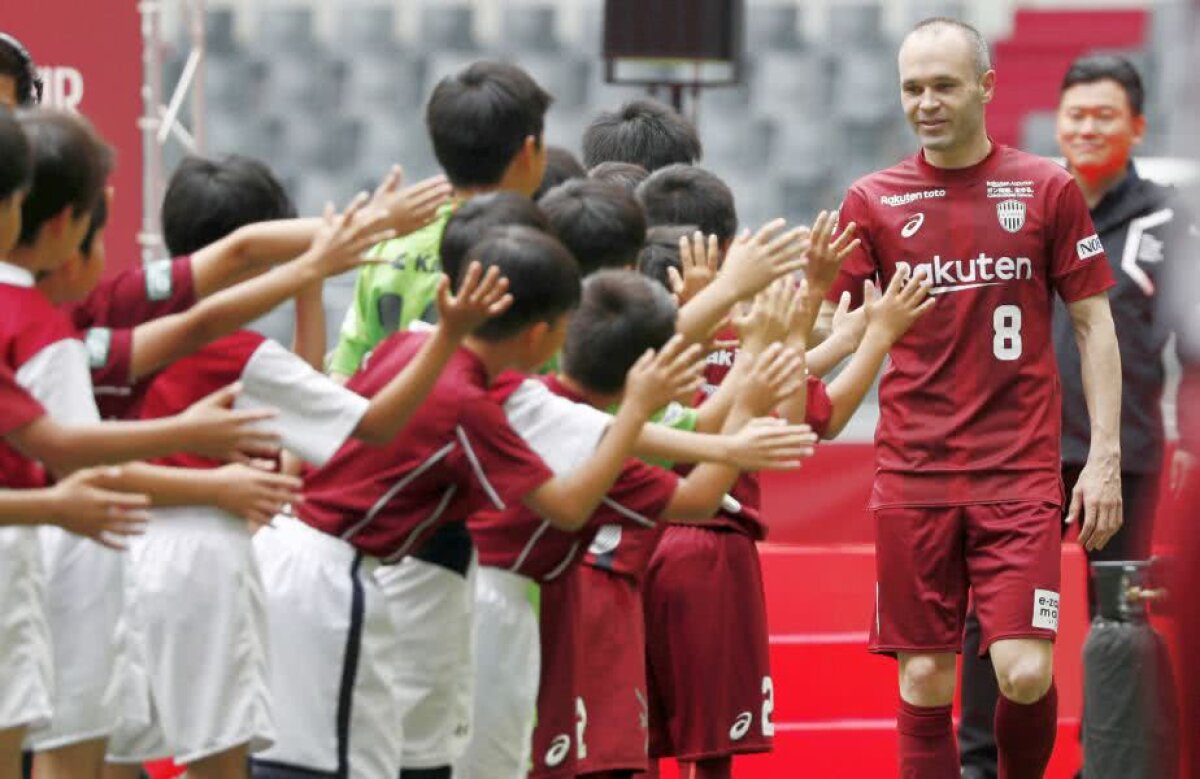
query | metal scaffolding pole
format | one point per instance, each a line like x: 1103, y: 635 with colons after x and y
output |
x: 160, y: 120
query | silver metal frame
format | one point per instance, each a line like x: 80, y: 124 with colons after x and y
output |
x: 160, y: 121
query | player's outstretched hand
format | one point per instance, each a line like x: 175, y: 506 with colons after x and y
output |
x: 218, y: 431
x: 255, y: 493
x: 902, y: 304
x: 658, y: 378
x: 828, y: 250
x: 339, y: 243
x: 753, y: 262
x: 698, y: 261
x: 771, y: 444
x: 769, y: 318
x: 83, y: 505
x: 480, y: 296
x: 1097, y: 495
x: 850, y: 326
x: 774, y: 377
x: 410, y: 208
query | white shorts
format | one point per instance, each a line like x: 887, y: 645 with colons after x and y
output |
x: 192, y: 676
x: 26, y: 658
x: 332, y: 658
x: 507, y: 667
x: 84, y: 594
x: 431, y: 610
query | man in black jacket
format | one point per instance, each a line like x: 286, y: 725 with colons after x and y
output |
x: 1146, y: 234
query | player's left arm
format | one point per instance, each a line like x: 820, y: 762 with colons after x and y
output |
x: 1097, y: 494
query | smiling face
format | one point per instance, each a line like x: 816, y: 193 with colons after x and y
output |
x: 1097, y: 128
x: 941, y: 89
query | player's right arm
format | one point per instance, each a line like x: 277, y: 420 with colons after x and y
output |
x: 247, y: 491
x: 567, y: 501
x: 79, y: 504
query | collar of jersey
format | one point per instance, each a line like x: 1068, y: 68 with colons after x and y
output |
x: 15, y: 275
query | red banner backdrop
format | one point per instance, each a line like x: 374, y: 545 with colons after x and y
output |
x: 90, y: 58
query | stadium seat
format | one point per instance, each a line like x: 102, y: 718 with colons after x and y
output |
x: 854, y: 24
x: 866, y: 85
x: 219, y: 31
x: 788, y: 85
x: 383, y: 82
x: 734, y: 140
x: 307, y: 81
x: 527, y: 28
x: 772, y: 26
x: 232, y: 82
x: 254, y: 135
x: 285, y: 27
x: 367, y: 28
x: 562, y: 74
x: 447, y: 25
x: 802, y: 148
x: 1037, y: 133
x: 917, y: 10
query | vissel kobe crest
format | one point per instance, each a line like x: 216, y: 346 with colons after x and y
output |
x: 1011, y: 214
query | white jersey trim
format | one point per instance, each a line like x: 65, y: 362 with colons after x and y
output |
x: 400, y: 553
x: 58, y: 377
x: 1133, y: 242
x: 394, y: 490
x: 475, y: 466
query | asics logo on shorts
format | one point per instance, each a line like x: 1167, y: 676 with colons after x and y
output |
x: 741, y: 726
x: 560, y: 747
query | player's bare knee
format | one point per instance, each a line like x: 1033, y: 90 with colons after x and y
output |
x: 1025, y: 675
x: 927, y: 680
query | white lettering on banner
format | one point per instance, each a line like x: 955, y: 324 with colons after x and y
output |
x: 1089, y: 247
x: 980, y: 271
x: 1045, y: 609
x: 911, y: 197
x: 63, y: 86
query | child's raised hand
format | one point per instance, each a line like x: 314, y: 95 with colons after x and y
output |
x: 698, y: 259
x: 658, y: 378
x: 774, y: 377
x: 84, y: 504
x: 770, y: 444
x: 753, y: 262
x: 901, y: 305
x: 828, y: 250
x: 769, y: 318
x: 410, y: 208
x: 339, y: 243
x: 480, y: 296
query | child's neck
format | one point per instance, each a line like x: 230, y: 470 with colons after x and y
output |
x: 600, y: 400
x: 24, y: 257
x: 496, y: 357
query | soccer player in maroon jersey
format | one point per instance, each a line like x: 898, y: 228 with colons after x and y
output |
x: 968, y: 489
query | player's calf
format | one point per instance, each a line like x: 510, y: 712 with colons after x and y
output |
x: 230, y: 764
x: 81, y: 760
x: 927, y: 679
x: 10, y: 752
x: 1024, y: 668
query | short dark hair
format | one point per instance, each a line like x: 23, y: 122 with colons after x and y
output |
x: 16, y: 62
x: 561, y: 166
x: 644, y: 132
x: 543, y: 278
x: 16, y: 158
x: 479, y: 118
x: 1091, y: 68
x: 980, y: 53
x: 662, y: 252
x: 683, y: 194
x: 623, y: 174
x: 471, y: 222
x: 207, y: 199
x: 622, y: 314
x: 70, y: 166
x: 601, y: 224
x: 99, y: 220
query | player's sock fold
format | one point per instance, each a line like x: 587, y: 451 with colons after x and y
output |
x: 927, y: 747
x: 1025, y: 735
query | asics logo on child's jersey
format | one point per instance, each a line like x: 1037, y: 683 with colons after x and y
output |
x: 981, y: 271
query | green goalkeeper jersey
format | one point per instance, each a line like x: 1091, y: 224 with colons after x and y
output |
x: 389, y: 296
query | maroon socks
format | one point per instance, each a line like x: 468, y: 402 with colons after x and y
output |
x: 927, y: 746
x: 1025, y: 735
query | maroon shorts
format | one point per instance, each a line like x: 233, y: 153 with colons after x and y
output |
x: 708, y: 668
x: 927, y: 559
x: 555, y: 733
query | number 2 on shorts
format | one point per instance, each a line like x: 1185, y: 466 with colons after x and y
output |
x: 1006, y: 327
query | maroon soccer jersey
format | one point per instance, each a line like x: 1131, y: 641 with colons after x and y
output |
x: 17, y: 407
x: 457, y: 456
x: 137, y: 295
x: 39, y: 346
x: 518, y: 540
x: 970, y: 404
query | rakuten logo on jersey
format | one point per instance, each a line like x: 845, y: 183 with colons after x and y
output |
x: 911, y: 197
x: 981, y: 271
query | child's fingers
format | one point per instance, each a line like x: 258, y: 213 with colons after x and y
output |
x: 714, y: 253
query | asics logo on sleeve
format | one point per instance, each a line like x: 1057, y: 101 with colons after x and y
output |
x: 981, y: 271
x: 741, y: 726
x: 912, y: 225
x: 560, y: 747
